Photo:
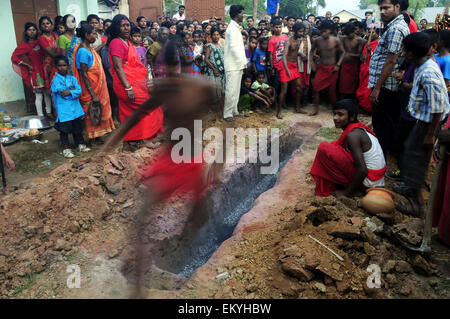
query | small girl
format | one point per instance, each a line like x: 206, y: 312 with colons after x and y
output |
x: 61, y: 28
x: 198, y: 44
x: 136, y: 40
x: 70, y: 114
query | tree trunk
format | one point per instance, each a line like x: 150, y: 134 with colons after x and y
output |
x: 255, y: 9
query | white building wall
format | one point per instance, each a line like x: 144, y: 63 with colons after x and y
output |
x: 11, y: 85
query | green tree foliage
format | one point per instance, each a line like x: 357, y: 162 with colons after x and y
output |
x: 437, y: 3
x: 363, y: 4
x: 297, y: 8
x: 415, y: 6
x: 248, y: 6
x: 171, y: 6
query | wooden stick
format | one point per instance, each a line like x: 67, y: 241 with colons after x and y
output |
x: 338, y: 257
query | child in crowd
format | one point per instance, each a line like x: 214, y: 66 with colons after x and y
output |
x: 222, y: 37
x: 198, y: 44
x: 428, y: 105
x: 407, y: 122
x: 264, y: 33
x: 276, y: 49
x: 245, y: 38
x: 262, y: 24
x: 70, y: 114
x: 147, y: 40
x: 199, y: 50
x: 100, y: 42
x: 253, y: 32
x: 248, y: 97
x: 443, y: 56
x: 259, y: 86
x: 259, y: 58
x: 61, y: 28
x: 136, y: 39
x: 250, y: 51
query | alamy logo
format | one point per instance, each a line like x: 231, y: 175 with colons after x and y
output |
x: 74, y: 279
x: 258, y: 146
x: 374, y: 280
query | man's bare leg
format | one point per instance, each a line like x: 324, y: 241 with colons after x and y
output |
x: 298, y: 97
x: 282, y: 98
x: 316, y: 104
x: 142, y: 252
x: 279, y: 116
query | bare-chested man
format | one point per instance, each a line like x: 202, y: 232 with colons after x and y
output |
x: 167, y: 176
x: 328, y: 49
x: 353, y: 46
x: 290, y: 70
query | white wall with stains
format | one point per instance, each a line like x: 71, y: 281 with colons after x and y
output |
x: 11, y: 85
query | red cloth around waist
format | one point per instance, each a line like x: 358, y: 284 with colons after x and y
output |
x: 376, y: 174
x: 348, y: 82
x: 293, y: 69
x: 325, y: 77
x: 165, y: 178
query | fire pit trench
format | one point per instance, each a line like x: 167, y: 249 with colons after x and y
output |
x: 234, y: 197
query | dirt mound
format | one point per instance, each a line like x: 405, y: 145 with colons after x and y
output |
x: 52, y: 217
x: 286, y: 261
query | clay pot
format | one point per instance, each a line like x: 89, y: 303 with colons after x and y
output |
x: 378, y: 201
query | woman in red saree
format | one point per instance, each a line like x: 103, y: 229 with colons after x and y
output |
x: 129, y: 81
x: 363, y: 93
x: 48, y: 42
x: 88, y: 69
x: 27, y: 61
x: 441, y: 218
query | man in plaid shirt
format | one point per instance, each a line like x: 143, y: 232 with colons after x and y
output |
x: 428, y: 105
x: 385, y: 61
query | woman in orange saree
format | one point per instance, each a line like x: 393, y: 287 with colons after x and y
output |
x: 88, y: 69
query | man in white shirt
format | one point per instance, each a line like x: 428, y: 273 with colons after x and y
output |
x: 235, y: 62
x: 180, y: 15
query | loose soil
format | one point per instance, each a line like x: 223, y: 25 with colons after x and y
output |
x: 82, y: 213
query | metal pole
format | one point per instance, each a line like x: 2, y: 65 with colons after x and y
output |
x: 2, y: 169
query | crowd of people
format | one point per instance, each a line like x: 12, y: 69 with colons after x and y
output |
x: 97, y: 73
x: 407, y: 90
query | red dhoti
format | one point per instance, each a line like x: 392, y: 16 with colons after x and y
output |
x: 332, y: 167
x: 293, y: 69
x: 305, y: 78
x: 441, y: 218
x: 165, y: 178
x: 348, y: 81
x: 363, y: 93
x: 326, y: 77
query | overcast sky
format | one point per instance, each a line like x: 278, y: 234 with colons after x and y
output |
x: 336, y: 6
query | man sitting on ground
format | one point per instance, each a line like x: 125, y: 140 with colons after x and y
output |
x: 354, y: 161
